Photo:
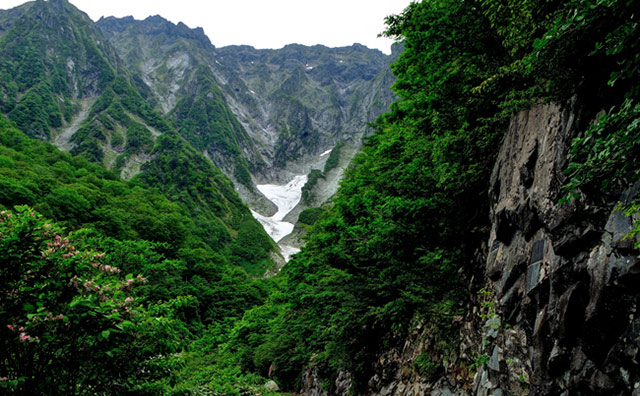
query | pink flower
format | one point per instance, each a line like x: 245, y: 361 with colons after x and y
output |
x: 128, y: 284
x: 128, y: 300
x: 24, y: 337
x: 10, y: 327
x: 60, y: 317
x: 3, y: 379
x: 110, y: 270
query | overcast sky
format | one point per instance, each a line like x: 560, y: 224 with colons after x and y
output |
x: 262, y: 23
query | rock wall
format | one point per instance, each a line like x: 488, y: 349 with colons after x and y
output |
x: 554, y: 311
x: 563, y: 276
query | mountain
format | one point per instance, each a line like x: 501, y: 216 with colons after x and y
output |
x: 306, y: 99
x: 485, y: 239
x: 283, y: 107
x: 172, y: 64
x: 62, y: 81
x: 52, y: 57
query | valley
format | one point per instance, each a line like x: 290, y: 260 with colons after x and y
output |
x: 286, y: 109
x: 285, y: 197
x: 459, y: 217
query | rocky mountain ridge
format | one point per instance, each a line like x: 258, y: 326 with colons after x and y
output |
x: 292, y: 104
x: 483, y: 242
x: 63, y: 82
x: 112, y: 90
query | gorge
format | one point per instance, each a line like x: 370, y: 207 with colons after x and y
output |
x: 457, y: 218
x: 285, y: 197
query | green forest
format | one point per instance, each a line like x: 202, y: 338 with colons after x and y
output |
x: 153, y: 286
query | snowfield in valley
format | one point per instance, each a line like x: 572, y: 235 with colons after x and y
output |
x: 285, y: 197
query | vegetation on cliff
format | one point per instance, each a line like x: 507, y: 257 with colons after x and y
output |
x: 57, y: 70
x: 407, y: 216
x: 410, y: 218
x: 192, y: 280
x: 398, y: 245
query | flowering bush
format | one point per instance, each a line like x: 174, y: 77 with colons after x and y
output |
x: 68, y: 324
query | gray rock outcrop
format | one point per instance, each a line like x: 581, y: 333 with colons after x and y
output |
x: 556, y: 311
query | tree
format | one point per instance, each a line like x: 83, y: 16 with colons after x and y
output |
x: 69, y: 323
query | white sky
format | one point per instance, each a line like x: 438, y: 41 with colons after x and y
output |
x: 262, y: 23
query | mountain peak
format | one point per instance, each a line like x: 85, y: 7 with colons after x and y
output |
x: 57, y: 8
x: 154, y: 25
x: 59, y: 4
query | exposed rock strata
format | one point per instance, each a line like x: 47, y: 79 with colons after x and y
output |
x: 563, y: 275
x: 556, y: 314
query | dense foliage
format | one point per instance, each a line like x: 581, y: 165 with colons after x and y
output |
x: 411, y: 212
x: 404, y: 230
x: 605, y: 157
x: 70, y: 323
x: 178, y: 223
x: 195, y: 285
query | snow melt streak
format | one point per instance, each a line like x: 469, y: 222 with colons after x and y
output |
x: 325, y: 153
x: 285, y: 197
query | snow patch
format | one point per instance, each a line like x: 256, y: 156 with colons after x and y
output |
x: 285, y: 197
x: 288, y: 251
x: 277, y: 229
x: 325, y: 153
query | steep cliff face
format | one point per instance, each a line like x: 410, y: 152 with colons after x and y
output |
x: 171, y: 65
x: 553, y: 311
x: 262, y: 116
x: 297, y: 102
x: 562, y: 275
